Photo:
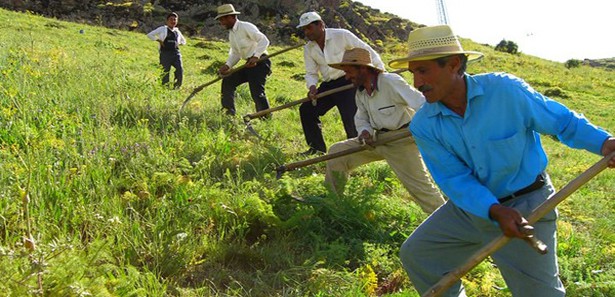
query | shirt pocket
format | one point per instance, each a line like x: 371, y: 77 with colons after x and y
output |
x: 386, y: 110
x: 505, y: 155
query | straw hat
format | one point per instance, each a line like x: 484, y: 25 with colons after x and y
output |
x: 226, y: 9
x: 429, y: 43
x: 308, y: 18
x: 356, y: 56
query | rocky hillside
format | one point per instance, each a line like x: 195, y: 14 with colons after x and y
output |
x: 276, y: 18
x: 602, y: 63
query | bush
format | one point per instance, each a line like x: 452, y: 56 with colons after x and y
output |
x: 573, y: 63
x: 556, y: 92
x: 507, y: 47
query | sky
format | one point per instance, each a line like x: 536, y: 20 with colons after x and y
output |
x: 557, y: 30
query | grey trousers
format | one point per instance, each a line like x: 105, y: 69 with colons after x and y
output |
x: 446, y: 240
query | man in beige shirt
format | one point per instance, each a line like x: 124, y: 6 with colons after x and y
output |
x: 385, y: 103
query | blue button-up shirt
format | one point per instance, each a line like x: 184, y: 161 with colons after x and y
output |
x: 495, y: 150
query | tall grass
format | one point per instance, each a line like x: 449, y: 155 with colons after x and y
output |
x: 107, y: 190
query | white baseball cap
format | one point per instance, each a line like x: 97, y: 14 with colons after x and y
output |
x: 308, y: 18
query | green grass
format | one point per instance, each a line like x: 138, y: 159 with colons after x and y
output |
x: 124, y: 196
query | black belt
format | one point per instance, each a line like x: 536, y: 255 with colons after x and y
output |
x: 387, y: 130
x: 537, y: 184
x: 262, y: 56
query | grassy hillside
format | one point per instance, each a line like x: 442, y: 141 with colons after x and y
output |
x: 106, y: 190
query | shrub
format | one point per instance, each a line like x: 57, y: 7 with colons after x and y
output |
x: 573, y: 63
x: 507, y: 47
x: 556, y: 92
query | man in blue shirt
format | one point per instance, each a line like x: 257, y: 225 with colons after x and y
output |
x: 479, y: 137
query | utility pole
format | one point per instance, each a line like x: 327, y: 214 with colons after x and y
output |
x: 442, y: 14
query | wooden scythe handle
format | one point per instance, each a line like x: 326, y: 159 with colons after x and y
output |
x: 234, y: 70
x: 264, y: 112
x: 399, y: 134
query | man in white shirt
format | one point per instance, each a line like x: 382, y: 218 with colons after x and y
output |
x: 249, y: 44
x: 385, y: 103
x: 327, y: 46
x: 170, y: 38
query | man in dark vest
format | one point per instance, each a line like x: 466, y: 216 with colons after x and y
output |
x: 170, y: 38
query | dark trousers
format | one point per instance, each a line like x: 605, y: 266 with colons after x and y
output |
x: 256, y: 77
x: 168, y: 59
x: 310, y: 114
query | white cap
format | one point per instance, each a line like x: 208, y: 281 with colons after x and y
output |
x: 308, y: 18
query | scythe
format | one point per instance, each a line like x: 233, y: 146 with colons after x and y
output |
x: 235, y: 70
x: 248, y: 117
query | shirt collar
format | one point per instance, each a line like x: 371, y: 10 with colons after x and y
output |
x: 474, y: 89
x: 328, y: 37
x: 374, y: 83
x: 235, y: 26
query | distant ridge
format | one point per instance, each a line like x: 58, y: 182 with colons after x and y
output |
x: 276, y: 18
